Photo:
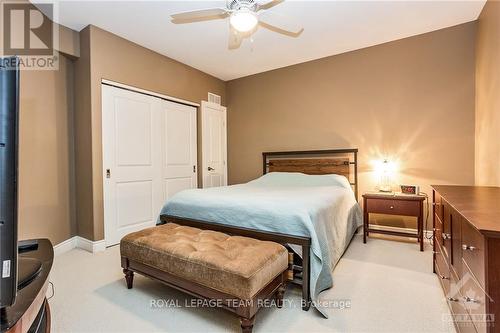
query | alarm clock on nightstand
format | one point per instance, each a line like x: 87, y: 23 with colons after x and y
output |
x: 410, y: 189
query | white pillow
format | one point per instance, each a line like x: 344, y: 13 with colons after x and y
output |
x: 301, y: 179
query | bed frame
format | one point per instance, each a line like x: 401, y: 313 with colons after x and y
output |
x: 314, y: 162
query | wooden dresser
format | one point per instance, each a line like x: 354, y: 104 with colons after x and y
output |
x: 467, y: 254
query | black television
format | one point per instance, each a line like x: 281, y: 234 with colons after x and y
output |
x: 9, y: 120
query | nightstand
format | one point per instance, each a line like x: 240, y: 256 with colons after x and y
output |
x: 394, y: 204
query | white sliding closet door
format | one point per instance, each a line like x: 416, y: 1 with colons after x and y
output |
x: 180, y: 157
x: 147, y: 146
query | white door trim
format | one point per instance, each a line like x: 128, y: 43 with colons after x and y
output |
x: 212, y: 106
x: 147, y: 92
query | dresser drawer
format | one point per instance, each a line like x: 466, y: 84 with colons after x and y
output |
x: 474, y: 301
x: 438, y: 206
x: 456, y: 303
x: 393, y: 207
x: 442, y: 270
x: 456, y: 244
x: 438, y: 231
x: 464, y: 324
x: 473, y: 255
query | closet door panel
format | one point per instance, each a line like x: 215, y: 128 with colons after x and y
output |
x: 131, y: 161
x: 180, y: 153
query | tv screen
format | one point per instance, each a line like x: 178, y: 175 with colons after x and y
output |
x: 9, y: 110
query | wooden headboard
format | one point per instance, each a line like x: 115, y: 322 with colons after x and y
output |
x: 315, y: 162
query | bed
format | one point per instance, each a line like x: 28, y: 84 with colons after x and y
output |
x: 307, y: 200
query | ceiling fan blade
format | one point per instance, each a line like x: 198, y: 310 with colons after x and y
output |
x: 269, y: 4
x: 280, y: 24
x: 235, y: 38
x: 199, y: 15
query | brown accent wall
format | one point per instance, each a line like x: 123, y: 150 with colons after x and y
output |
x: 410, y: 100
x: 117, y: 59
x: 488, y: 96
x: 46, y: 161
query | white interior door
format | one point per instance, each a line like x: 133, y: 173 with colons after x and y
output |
x: 214, y: 142
x: 149, y: 150
x: 180, y: 157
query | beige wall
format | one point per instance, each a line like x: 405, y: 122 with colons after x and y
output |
x: 46, y: 146
x: 46, y: 168
x: 114, y: 58
x: 410, y: 100
x: 488, y: 96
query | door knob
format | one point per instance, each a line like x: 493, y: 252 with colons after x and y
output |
x: 210, y: 169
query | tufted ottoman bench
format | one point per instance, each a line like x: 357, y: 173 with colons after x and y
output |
x: 237, y: 273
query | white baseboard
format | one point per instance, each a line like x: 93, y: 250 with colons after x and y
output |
x: 78, y: 242
x: 63, y: 247
x: 91, y: 246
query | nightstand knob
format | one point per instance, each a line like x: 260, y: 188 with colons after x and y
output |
x: 391, y: 207
x: 452, y: 299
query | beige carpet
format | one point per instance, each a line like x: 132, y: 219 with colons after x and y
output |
x: 389, y: 284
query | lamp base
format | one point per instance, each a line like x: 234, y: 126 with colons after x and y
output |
x: 385, y: 189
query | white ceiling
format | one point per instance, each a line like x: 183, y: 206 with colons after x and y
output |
x: 331, y: 27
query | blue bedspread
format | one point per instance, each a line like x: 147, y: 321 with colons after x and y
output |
x: 322, y: 207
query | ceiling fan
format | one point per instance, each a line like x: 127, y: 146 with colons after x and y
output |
x: 245, y: 16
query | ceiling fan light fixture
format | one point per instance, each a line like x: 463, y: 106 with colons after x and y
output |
x: 243, y: 20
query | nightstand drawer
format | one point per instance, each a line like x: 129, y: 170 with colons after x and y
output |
x: 393, y: 207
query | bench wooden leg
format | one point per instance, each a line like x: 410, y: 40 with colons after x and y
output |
x: 129, y: 277
x: 306, y: 270
x: 247, y: 324
x: 279, y: 296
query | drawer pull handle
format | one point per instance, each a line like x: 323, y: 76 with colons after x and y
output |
x: 444, y: 277
x: 470, y: 300
x: 451, y: 299
x: 468, y: 247
x: 446, y: 236
x: 391, y: 207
